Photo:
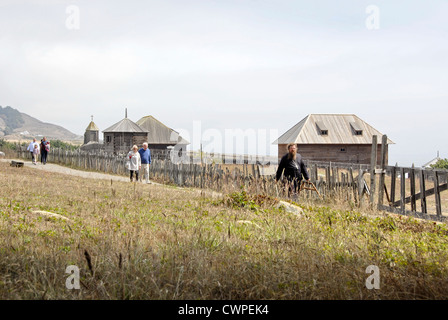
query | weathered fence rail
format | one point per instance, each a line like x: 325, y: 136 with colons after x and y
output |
x: 212, y: 157
x: 409, y: 191
x: 103, y: 162
x: 415, y: 191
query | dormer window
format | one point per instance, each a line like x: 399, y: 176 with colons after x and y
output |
x: 321, y: 128
x: 356, y: 128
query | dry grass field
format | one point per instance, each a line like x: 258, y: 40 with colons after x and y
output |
x: 135, y: 241
x: 430, y: 200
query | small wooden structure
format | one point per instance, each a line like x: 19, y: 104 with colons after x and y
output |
x: 120, y: 137
x: 332, y: 138
x: 92, y: 133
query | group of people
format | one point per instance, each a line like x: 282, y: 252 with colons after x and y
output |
x: 41, y: 148
x: 291, y: 166
x: 139, y: 160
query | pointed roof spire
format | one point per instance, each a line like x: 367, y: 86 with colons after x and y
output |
x: 92, y: 126
x: 126, y: 113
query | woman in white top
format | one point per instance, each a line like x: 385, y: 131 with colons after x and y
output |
x: 135, y: 162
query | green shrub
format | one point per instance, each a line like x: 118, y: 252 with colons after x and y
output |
x: 63, y: 145
x: 441, y: 164
x: 6, y: 145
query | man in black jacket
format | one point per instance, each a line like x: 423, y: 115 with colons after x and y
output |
x: 293, y: 167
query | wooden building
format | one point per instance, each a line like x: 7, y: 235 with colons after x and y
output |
x: 332, y: 137
x: 92, y: 133
x: 120, y: 137
x: 160, y: 136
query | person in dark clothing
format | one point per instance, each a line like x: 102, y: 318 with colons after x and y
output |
x: 293, y: 168
x: 43, y: 150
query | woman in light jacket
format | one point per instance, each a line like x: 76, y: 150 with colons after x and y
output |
x: 135, y: 162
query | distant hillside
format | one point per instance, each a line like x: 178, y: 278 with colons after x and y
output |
x: 15, y: 125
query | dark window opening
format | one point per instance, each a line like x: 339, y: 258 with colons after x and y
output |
x: 322, y: 129
x: 356, y: 128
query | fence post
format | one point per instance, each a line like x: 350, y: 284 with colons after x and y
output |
x: 373, y: 160
x: 393, y: 177
x: 360, y: 186
x: 181, y: 174
x: 335, y: 173
x: 328, y: 178
x: 402, y: 191
x: 412, y: 180
x: 383, y: 171
x: 423, y: 191
x: 202, y: 174
x: 437, y: 194
x: 352, y: 183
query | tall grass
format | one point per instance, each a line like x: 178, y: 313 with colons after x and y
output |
x: 135, y: 241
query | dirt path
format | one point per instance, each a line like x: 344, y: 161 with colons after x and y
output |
x: 50, y: 167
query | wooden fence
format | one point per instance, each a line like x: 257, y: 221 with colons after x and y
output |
x: 414, y: 191
x: 409, y: 191
x: 101, y: 162
x: 212, y: 157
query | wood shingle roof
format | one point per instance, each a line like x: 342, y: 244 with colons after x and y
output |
x: 160, y: 133
x: 92, y: 127
x: 330, y: 129
x: 125, y: 125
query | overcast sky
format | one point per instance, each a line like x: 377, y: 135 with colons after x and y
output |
x: 232, y: 64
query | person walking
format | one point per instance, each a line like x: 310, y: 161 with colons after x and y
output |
x: 44, y: 150
x: 294, y: 168
x: 134, y: 162
x: 145, y: 156
x: 31, y: 148
x: 36, y: 152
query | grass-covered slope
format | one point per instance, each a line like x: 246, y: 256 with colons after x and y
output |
x: 156, y: 242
